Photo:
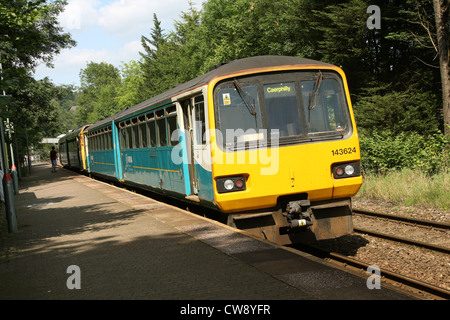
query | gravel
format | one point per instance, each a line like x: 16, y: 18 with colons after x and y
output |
x: 423, y: 264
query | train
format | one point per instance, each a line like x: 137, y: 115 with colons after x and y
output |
x: 269, y: 142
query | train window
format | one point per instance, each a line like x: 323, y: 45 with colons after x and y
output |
x: 294, y: 106
x: 105, y: 141
x: 135, y: 127
x: 172, y: 128
x: 151, y: 129
x: 152, y: 133
x: 100, y: 142
x: 324, y: 108
x: 91, y: 143
x: 109, y: 144
x: 238, y: 112
x: 161, y: 125
x: 172, y: 125
x: 97, y: 146
x: 142, y: 132
x: 123, y: 138
x: 199, y: 106
x: 282, y: 109
x: 172, y: 110
x: 129, y: 138
x: 110, y: 139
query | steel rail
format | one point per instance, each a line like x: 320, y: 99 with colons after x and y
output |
x: 429, y: 223
x: 414, y: 283
x: 403, y: 240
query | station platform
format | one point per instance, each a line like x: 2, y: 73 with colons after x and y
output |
x: 80, y: 238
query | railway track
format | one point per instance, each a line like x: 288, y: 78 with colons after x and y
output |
x: 422, y: 222
x: 394, y: 276
x: 419, y: 222
x: 416, y: 285
x: 334, y: 253
x: 413, y: 285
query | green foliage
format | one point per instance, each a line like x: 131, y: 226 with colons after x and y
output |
x: 408, y: 187
x: 99, y: 82
x: 412, y: 110
x: 382, y: 152
x: 29, y: 32
x: 128, y: 93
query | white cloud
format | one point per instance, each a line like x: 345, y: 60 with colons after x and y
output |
x: 69, y: 63
x: 125, y: 17
x: 109, y: 31
x: 130, y: 51
x: 121, y: 16
x: 79, y: 14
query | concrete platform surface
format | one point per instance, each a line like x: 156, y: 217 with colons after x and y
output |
x: 80, y: 238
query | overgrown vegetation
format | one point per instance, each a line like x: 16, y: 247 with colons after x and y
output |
x: 408, y: 188
x: 384, y: 152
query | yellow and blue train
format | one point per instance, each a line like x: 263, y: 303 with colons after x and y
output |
x: 269, y: 141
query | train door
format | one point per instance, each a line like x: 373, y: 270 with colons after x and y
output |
x: 188, y: 109
x: 194, y: 125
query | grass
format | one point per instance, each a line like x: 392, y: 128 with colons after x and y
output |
x: 409, y: 188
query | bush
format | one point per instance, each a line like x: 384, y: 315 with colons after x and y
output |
x: 382, y: 152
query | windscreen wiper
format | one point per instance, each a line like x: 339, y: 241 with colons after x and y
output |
x: 246, y: 98
x: 313, y: 96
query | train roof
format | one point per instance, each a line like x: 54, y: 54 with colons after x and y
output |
x: 72, y: 133
x: 220, y: 70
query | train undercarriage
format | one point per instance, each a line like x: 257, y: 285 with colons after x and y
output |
x: 298, y: 221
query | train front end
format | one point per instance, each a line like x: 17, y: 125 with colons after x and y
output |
x: 285, y: 151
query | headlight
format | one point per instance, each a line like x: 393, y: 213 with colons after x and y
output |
x: 345, y: 170
x: 349, y: 170
x: 229, y: 184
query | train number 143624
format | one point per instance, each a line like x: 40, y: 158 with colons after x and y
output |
x: 340, y: 152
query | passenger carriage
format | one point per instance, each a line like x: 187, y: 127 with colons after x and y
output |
x: 72, y: 150
x: 271, y: 141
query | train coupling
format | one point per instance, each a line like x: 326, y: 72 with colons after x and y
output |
x: 299, y: 214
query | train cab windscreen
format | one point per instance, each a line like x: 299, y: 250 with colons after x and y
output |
x: 294, y: 107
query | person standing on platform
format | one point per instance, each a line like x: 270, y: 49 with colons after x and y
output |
x: 54, y: 158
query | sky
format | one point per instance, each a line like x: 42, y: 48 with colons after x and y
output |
x: 108, y: 31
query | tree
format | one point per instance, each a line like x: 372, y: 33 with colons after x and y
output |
x: 130, y: 93
x: 34, y: 111
x: 441, y: 13
x: 152, y: 46
x: 29, y: 34
x: 98, y: 85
